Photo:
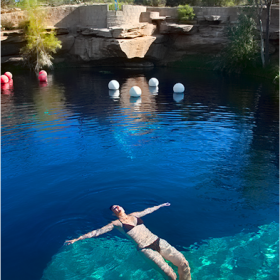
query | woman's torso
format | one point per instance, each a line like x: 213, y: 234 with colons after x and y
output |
x: 138, y: 232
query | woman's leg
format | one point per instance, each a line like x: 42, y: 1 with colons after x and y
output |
x: 177, y: 258
x: 160, y: 263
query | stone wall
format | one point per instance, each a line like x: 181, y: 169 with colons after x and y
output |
x: 14, y: 17
x: 115, y: 18
x: 71, y: 16
x: 225, y: 13
x: 130, y: 15
x: 172, y: 13
x: 67, y: 16
x: 97, y: 16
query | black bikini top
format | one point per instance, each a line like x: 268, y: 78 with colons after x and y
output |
x: 128, y: 227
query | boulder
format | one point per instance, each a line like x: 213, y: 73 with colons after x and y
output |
x: 137, y: 47
x: 140, y: 30
x: 173, y: 28
x: 99, y: 32
x: 212, y: 18
x: 67, y: 42
x: 94, y: 48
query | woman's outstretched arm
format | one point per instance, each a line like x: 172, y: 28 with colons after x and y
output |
x: 93, y: 233
x: 149, y: 210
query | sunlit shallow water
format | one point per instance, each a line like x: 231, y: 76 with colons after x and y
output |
x: 70, y: 149
x: 243, y: 256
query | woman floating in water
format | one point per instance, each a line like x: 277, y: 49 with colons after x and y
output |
x: 150, y: 245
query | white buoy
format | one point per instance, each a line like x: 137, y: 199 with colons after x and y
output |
x: 153, y: 82
x: 114, y: 85
x: 135, y: 91
x: 114, y: 93
x: 153, y: 90
x: 135, y: 101
x: 178, y: 88
x: 178, y: 97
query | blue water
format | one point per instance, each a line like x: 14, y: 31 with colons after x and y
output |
x: 70, y: 150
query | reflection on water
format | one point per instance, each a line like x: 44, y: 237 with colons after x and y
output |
x: 145, y: 103
x: 245, y: 256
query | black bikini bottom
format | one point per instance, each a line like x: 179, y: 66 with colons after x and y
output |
x: 154, y: 246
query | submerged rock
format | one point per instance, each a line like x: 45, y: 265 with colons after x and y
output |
x: 242, y: 256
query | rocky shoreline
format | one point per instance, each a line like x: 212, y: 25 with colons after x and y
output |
x: 158, y: 41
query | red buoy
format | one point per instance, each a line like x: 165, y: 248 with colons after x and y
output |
x: 11, y: 83
x: 42, y: 77
x: 5, y: 87
x: 43, y: 71
x: 4, y: 79
x: 9, y: 75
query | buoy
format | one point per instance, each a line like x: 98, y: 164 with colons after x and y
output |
x: 178, y: 88
x: 11, y: 83
x: 178, y: 97
x: 4, y: 79
x: 5, y: 86
x: 114, y: 85
x: 153, y: 90
x: 153, y: 82
x: 42, y: 77
x: 135, y: 91
x: 114, y: 93
x: 9, y: 75
x: 135, y: 101
x: 43, y: 71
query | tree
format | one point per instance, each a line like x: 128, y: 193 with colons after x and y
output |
x: 241, y: 50
x: 40, y: 44
x: 260, y: 5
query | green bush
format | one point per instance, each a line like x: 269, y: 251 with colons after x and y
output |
x: 40, y: 44
x: 242, y: 48
x: 112, y: 6
x: 185, y: 12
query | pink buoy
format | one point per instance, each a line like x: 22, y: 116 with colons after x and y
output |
x: 5, y: 86
x: 4, y: 79
x: 43, y: 71
x: 42, y: 77
x: 9, y: 75
x: 11, y: 83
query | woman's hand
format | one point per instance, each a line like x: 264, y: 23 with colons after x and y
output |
x: 68, y: 242
x: 165, y: 204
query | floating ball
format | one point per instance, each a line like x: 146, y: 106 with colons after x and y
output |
x: 4, y: 79
x: 5, y: 86
x: 153, y: 82
x: 135, y: 91
x: 178, y: 88
x: 114, y: 93
x: 178, y: 97
x: 114, y: 85
x: 43, y: 72
x: 153, y: 90
x: 43, y: 84
x: 11, y: 83
x: 9, y: 75
x: 42, y: 77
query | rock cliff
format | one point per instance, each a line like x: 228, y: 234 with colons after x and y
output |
x: 157, y: 41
